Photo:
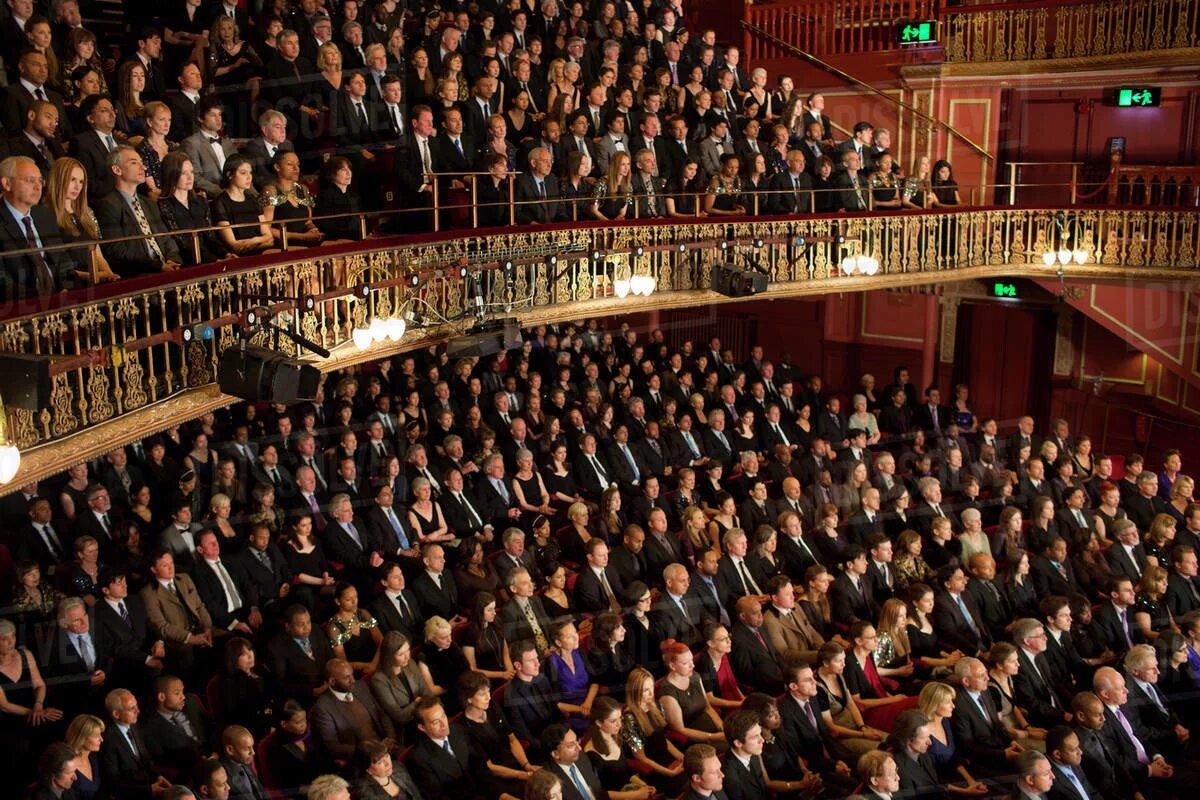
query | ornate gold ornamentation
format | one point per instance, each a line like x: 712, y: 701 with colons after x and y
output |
x: 133, y: 377
x: 14, y: 338
x: 61, y: 401
x: 1039, y: 37
x: 22, y: 431
x: 99, y: 387
x: 198, y: 372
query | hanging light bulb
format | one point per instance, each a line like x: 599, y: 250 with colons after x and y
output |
x: 1048, y: 258
x: 1081, y: 256
x: 649, y: 286
x: 395, y: 328
x: 1064, y: 256
x: 362, y: 338
x: 849, y: 264
x: 868, y: 265
x: 621, y: 286
x: 10, y: 456
x: 377, y: 329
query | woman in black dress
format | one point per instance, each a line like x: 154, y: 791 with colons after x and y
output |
x: 574, y: 189
x: 607, y: 751
x: 442, y: 661
x: 1150, y: 611
x: 474, y: 574
x: 236, y: 212
x: 25, y: 716
x: 306, y: 560
x: 612, y: 198
x: 491, y: 192
x: 607, y: 660
x: 641, y: 636
x: 336, y: 196
x: 182, y: 209
x: 67, y: 196
x: 1018, y: 585
x: 233, y: 67
x: 825, y: 197
x: 558, y: 602
x: 500, y: 760
x: 725, y: 191
x: 286, y: 204
x: 531, y: 494
x: 242, y: 691
x: 483, y: 643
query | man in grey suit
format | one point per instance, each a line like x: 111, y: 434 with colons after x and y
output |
x: 613, y: 142
x: 715, y: 145
x: 180, y: 536
x: 207, y: 148
x: 123, y: 213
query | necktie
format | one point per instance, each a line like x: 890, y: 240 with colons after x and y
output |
x: 402, y: 607
x: 261, y: 557
x: 458, y: 147
x: 306, y: 646
x: 1125, y: 628
x: 107, y: 525
x: 471, y: 515
x: 312, y: 504
x: 352, y: 533
x: 52, y: 542
x: 747, y: 582
x: 584, y: 791
x: 632, y: 463
x: 109, y: 142
x: 539, y: 636
x: 962, y: 607
x: 235, y: 601
x: 608, y: 592
x: 599, y: 469
x: 397, y: 126
x: 446, y: 746
x: 1142, y: 757
x: 390, y: 513
x: 362, y: 116
x: 425, y: 162
x: 1079, y: 518
x: 691, y: 443
x: 86, y: 652
x: 721, y: 438
x: 256, y: 788
x: 674, y: 73
x: 181, y: 721
x: 275, y: 479
x: 782, y: 437
x: 139, y: 214
x: 39, y: 94
x: 124, y: 612
x: 44, y: 280
x: 501, y: 489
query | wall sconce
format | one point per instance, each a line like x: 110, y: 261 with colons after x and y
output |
x: 10, y: 456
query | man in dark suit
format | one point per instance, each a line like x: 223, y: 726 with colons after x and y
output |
x: 853, y: 190
x: 597, y: 589
x: 745, y: 777
x: 118, y: 218
x: 185, y: 101
x: 1023, y: 437
x: 1103, y: 768
x: 755, y: 661
x: 918, y: 775
x: 396, y: 607
x: 628, y: 559
x: 1113, y: 621
x: 866, y: 523
x: 434, y: 588
x: 716, y: 442
x: 33, y: 85
x: 536, y: 194
x: 1034, y: 687
x: 178, y: 731
x: 1148, y: 707
x: 347, y: 541
x: 494, y: 500
x: 1126, y: 556
x: 121, y: 620
x: 298, y: 654
x: 454, y: 151
x: 850, y: 594
x: 224, y: 589
x: 676, y: 614
x: 648, y: 198
x: 264, y: 567
x: 802, y: 731
x: 346, y: 715
x: 441, y: 756
x: 1053, y: 573
x: 992, y: 602
x: 38, y: 540
x: 77, y: 658
x: 24, y: 224
x: 796, y: 551
x: 523, y: 616
x: 237, y: 759
x: 1144, y: 505
x: 955, y: 616
x: 976, y: 723
x: 792, y: 187
x: 93, y: 146
x: 261, y: 150
x: 1123, y: 735
x: 529, y: 698
x: 125, y: 763
x: 1182, y: 595
x: 1066, y: 762
x: 38, y: 138
x: 287, y: 84
x: 564, y: 758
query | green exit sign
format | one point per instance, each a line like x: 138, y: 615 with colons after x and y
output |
x: 1138, y: 96
x: 1003, y: 290
x: 916, y: 33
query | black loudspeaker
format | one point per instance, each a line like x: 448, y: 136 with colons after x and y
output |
x: 488, y: 339
x: 261, y: 375
x: 733, y: 282
x: 26, y: 381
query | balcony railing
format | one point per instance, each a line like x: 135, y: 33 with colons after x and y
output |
x: 833, y: 27
x: 122, y: 367
x: 1069, y: 29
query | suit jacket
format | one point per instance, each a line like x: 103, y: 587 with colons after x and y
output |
x: 791, y: 199
x: 993, y: 605
x: 799, y: 737
x: 1047, y: 580
x: 1158, y: 723
x: 953, y: 630
x: 531, y: 206
x: 411, y: 622
x: 1122, y: 747
x: 710, y: 154
x: 264, y: 579
x: 256, y: 151
x: 334, y: 725
x: 848, y: 198
x: 529, y: 706
x: 671, y: 623
x: 1064, y: 789
x: 19, y: 276
x: 588, y: 773
x: 183, y: 114
x: 176, y: 753
x: 1103, y: 767
x: 212, y: 592
x: 208, y: 171
x: 440, y: 775
x: 589, y: 593
x: 433, y: 601
x: 848, y: 604
x: 446, y: 157
x: 790, y: 632
x: 1182, y: 595
x: 517, y: 627
x: 648, y: 196
x: 17, y: 100
x: 172, y: 618
x: 244, y: 783
x: 795, y: 559
x: 341, y: 547
x: 980, y: 734
x: 64, y: 669
x: 606, y: 148
x: 132, y: 257
x: 1036, y: 692
x: 1107, y: 624
x: 1118, y: 558
x: 128, y: 641
x: 295, y: 673
x: 88, y: 148
x: 755, y: 660
x: 128, y: 772
x: 20, y: 145
x: 919, y: 778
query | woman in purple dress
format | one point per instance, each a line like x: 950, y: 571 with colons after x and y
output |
x: 569, y: 676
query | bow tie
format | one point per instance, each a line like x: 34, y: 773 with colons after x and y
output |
x: 213, y: 139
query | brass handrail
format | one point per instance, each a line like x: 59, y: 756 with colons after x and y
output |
x: 851, y: 79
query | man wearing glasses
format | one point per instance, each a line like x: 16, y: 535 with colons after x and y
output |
x: 26, y: 225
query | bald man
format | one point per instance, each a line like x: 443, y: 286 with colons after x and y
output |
x: 755, y: 661
x: 1126, y: 740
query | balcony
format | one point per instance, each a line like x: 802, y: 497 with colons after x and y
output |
x: 131, y: 359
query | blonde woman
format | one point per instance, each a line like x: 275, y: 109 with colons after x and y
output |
x: 644, y: 727
x: 936, y: 702
x: 613, y: 195
x: 85, y: 735
x: 892, y: 654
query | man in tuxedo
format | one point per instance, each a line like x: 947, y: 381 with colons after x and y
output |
x: 597, y: 589
x: 536, y: 194
x: 1182, y: 595
x: 207, y: 148
x: 38, y: 138
x: 1066, y: 762
x: 575, y: 773
x: 178, y: 733
x: 976, y: 723
x: 25, y: 224
x: 441, y: 755
x: 1034, y: 686
x: 298, y: 654
x: 125, y: 763
x: 262, y: 149
x: 123, y: 213
x: 346, y: 715
x: 955, y: 616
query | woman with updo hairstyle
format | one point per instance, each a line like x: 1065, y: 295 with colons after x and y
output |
x: 543, y: 785
x: 491, y: 739
x: 1003, y: 665
x: 442, y: 661
x: 483, y: 642
x: 683, y: 699
x: 568, y: 674
x: 716, y: 670
x: 607, y: 660
x: 642, y: 641
x: 241, y: 225
x: 380, y: 776
x: 242, y: 690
